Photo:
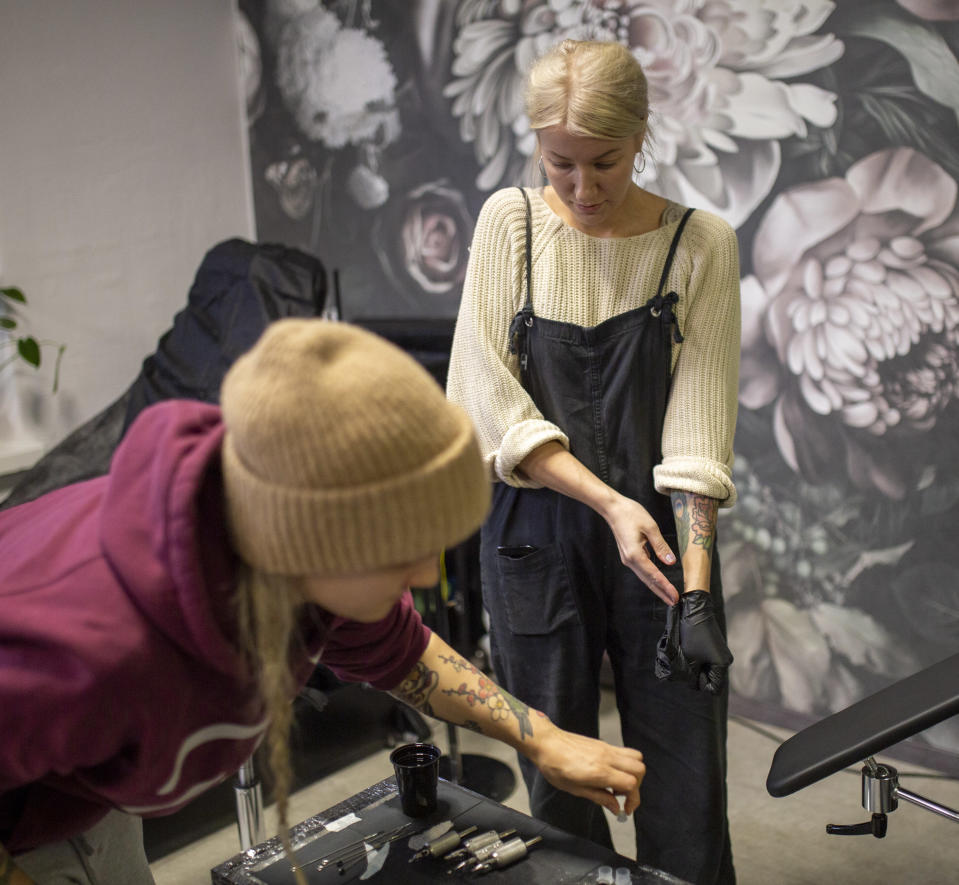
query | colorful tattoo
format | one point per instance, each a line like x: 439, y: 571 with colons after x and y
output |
x: 460, y: 664
x: 499, y: 703
x: 418, y: 686
x: 703, y: 521
x: 480, y: 693
x: 695, y: 520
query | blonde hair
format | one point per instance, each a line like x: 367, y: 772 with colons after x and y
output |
x: 267, y: 607
x: 595, y: 89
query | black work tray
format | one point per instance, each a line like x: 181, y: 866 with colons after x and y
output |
x: 559, y: 859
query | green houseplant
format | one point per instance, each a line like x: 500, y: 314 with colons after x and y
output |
x: 25, y: 347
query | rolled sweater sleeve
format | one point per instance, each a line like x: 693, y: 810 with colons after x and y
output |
x: 381, y: 653
x: 701, y: 414
x: 483, y: 375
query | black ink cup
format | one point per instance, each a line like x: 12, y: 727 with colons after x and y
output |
x: 417, y: 768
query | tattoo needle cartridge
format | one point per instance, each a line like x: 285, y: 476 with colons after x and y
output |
x: 443, y: 844
x: 510, y: 852
x: 475, y: 843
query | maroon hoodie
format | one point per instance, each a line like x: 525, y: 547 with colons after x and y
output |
x: 121, y: 685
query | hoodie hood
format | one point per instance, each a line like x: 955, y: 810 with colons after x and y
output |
x: 163, y: 529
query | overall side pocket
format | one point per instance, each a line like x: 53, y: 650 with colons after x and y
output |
x: 535, y: 592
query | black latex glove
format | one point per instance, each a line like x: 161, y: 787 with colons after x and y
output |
x: 692, y: 648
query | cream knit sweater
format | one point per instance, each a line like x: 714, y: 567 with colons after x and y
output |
x: 585, y: 280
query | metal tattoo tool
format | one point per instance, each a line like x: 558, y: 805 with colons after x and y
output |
x: 442, y: 845
x: 363, y: 851
x: 418, y: 840
x: 472, y: 845
x: 347, y: 854
x: 509, y: 852
x: 480, y: 854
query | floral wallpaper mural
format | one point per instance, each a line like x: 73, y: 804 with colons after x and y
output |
x: 825, y: 133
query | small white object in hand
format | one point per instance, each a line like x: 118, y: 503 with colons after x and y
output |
x: 622, y: 817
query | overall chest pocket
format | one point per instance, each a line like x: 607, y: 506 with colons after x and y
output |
x: 534, y: 591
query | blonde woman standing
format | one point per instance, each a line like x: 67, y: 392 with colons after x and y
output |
x: 596, y: 350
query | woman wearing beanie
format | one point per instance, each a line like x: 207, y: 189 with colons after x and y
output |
x: 156, y: 622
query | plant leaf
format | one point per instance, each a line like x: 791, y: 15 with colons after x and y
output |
x: 56, y: 367
x: 29, y: 351
x: 934, y: 67
x: 14, y: 294
x: 8, y: 323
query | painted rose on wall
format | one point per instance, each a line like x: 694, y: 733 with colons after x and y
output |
x: 852, y: 324
x: 424, y: 239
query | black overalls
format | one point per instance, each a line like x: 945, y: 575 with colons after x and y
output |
x: 558, y: 595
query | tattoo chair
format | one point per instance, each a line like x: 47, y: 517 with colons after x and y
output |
x: 863, y: 729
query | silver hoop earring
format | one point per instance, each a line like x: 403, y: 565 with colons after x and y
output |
x: 642, y: 168
x: 542, y: 169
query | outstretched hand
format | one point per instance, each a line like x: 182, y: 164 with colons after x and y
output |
x: 636, y: 534
x: 590, y: 768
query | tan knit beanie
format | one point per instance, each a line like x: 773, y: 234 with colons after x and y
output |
x: 342, y: 454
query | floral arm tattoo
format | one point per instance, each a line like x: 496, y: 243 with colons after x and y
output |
x: 696, y: 533
x: 459, y: 693
x: 695, y: 520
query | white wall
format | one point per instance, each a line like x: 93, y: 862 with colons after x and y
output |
x: 123, y: 158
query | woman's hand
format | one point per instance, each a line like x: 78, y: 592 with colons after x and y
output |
x: 636, y: 533
x: 446, y: 686
x: 632, y: 526
x: 589, y: 768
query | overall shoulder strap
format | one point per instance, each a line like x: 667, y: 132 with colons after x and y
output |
x: 528, y: 305
x: 524, y: 318
x: 663, y: 304
x: 667, y: 266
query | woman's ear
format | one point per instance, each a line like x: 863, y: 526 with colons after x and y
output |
x: 638, y: 140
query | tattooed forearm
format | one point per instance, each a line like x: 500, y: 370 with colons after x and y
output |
x: 695, y: 520
x: 456, y: 691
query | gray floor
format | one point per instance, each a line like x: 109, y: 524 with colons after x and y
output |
x: 775, y: 841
